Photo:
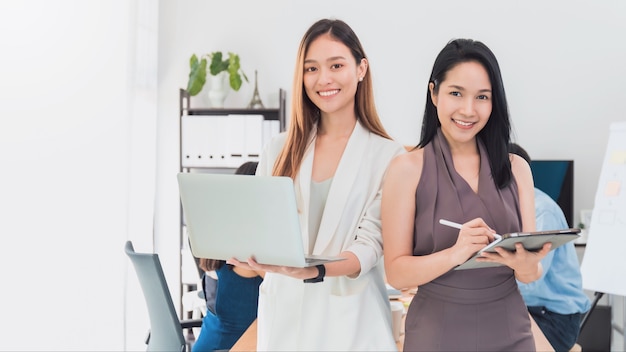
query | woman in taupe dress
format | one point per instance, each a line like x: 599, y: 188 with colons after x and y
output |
x: 461, y: 171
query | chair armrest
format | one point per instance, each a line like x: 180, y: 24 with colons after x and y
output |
x: 190, y: 323
x: 184, y: 324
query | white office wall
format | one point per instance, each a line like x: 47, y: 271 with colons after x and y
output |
x: 77, y: 156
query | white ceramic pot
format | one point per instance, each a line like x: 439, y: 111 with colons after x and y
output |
x: 219, y: 90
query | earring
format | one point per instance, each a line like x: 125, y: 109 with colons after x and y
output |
x: 360, y: 79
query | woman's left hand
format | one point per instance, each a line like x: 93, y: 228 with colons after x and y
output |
x: 525, y: 263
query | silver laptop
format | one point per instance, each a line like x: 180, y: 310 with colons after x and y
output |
x: 243, y: 216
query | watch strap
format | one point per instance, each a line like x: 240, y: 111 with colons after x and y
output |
x: 321, y: 272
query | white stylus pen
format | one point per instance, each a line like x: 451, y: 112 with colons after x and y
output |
x: 458, y: 226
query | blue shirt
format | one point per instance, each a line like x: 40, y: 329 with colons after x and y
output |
x: 236, y: 302
x: 559, y: 289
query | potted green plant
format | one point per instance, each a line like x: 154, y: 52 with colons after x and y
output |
x: 198, y: 70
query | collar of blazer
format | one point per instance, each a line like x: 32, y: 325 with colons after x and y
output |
x: 345, y: 176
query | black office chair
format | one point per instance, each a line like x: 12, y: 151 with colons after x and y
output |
x: 166, y: 329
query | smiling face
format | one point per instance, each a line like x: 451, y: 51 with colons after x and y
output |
x: 331, y: 75
x: 463, y: 101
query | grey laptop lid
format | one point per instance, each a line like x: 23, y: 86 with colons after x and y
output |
x: 243, y: 216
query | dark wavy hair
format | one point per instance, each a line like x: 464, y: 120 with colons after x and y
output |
x: 497, y: 132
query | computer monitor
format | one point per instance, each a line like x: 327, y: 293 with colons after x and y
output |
x: 556, y: 178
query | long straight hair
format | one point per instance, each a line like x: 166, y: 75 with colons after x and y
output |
x: 496, y: 134
x: 305, y: 115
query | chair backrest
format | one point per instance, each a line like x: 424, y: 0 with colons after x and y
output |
x: 165, y: 329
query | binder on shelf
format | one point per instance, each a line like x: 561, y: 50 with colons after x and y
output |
x: 195, y: 144
x: 236, y: 144
x: 206, y: 135
x: 254, y: 137
x: 219, y: 155
x: 246, y: 138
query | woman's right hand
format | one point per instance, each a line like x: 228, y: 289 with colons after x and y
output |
x: 473, y: 236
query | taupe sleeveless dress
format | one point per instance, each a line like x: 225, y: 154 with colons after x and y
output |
x: 464, y: 310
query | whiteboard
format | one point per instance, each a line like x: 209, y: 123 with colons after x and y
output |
x: 604, y: 263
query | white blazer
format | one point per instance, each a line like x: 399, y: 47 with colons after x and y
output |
x: 341, y: 313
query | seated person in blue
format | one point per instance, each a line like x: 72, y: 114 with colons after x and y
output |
x: 556, y: 301
x: 235, y: 296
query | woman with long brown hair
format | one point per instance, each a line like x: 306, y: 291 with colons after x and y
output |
x: 337, y: 151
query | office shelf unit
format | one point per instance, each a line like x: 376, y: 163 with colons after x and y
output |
x: 198, y: 162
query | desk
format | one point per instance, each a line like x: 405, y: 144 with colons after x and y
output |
x: 247, y: 341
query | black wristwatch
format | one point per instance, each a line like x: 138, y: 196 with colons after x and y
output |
x: 321, y: 272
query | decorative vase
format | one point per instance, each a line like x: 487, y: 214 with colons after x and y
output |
x: 219, y: 89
